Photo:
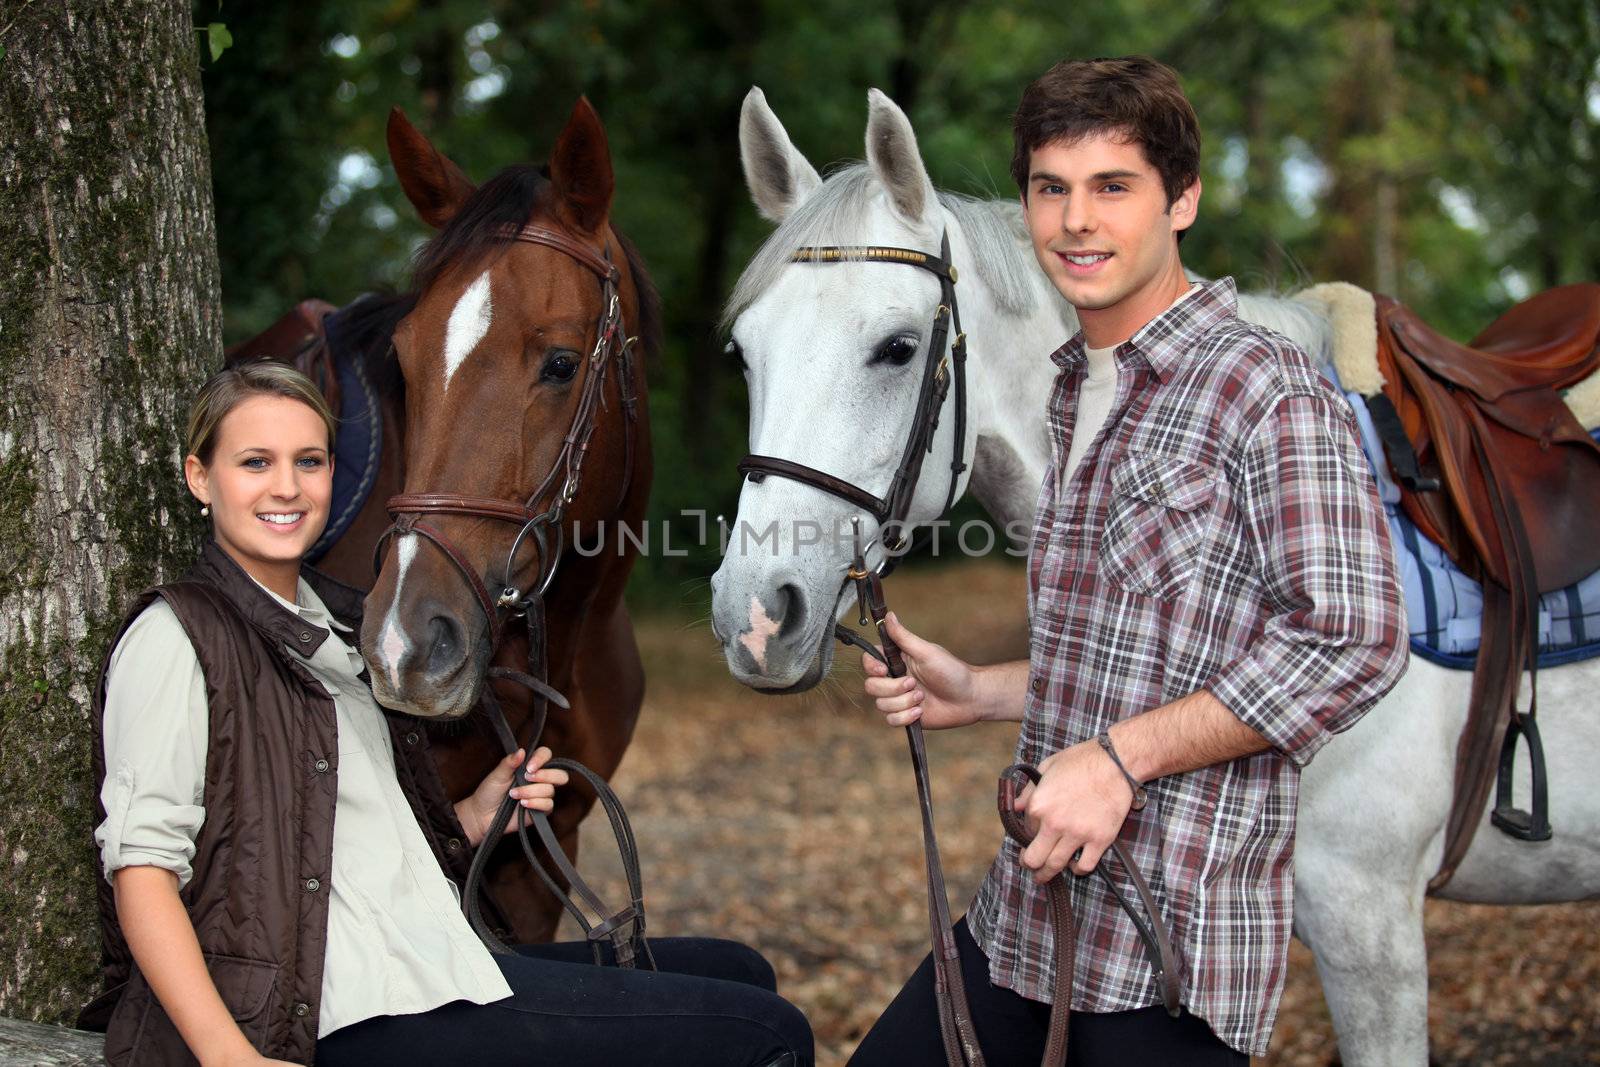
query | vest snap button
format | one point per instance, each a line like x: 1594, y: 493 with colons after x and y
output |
x: 322, y: 766
x: 302, y: 1009
x: 412, y: 738
x: 453, y: 844
x: 312, y: 885
x: 305, y: 636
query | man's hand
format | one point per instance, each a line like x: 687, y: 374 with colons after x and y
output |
x: 1080, y: 803
x: 477, y: 811
x: 938, y: 688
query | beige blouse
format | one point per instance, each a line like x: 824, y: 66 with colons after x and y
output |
x: 397, y: 940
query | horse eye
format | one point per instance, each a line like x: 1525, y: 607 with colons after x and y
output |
x: 560, y: 367
x: 734, y: 352
x: 896, y: 351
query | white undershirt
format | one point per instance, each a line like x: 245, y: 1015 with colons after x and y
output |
x: 1095, y: 393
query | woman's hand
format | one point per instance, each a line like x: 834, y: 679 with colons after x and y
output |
x: 938, y: 688
x: 477, y: 811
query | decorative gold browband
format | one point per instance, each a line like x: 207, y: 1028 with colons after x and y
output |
x: 869, y: 253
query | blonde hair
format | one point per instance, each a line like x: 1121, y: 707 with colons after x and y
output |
x: 227, y: 389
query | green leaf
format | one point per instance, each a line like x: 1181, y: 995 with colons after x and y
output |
x: 220, y: 39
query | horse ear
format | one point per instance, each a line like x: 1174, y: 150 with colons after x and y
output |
x: 580, y: 169
x: 778, y: 175
x: 435, y: 186
x: 895, y: 159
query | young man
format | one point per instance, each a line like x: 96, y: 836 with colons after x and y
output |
x: 1212, y: 597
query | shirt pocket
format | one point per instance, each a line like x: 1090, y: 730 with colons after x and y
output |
x: 1156, y: 525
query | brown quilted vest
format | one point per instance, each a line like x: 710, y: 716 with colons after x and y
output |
x: 259, y: 895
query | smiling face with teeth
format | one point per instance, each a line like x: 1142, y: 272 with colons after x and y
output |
x: 1105, y: 234
x: 269, y: 484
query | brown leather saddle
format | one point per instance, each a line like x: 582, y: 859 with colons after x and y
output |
x: 1494, y: 467
x: 300, y: 339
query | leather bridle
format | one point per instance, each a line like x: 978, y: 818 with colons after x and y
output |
x: 611, y: 344
x: 892, y: 508
x: 624, y: 929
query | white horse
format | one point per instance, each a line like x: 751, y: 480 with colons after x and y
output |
x: 827, y: 389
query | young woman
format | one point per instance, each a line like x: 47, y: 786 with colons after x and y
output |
x: 271, y: 895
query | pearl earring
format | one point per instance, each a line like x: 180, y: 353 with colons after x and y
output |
x: 205, y: 511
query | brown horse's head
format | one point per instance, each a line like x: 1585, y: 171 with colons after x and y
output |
x: 495, y: 355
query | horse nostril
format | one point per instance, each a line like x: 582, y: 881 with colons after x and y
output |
x: 791, y: 613
x: 445, y: 645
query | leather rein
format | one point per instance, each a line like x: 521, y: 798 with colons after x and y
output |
x: 623, y: 929
x: 957, y: 1029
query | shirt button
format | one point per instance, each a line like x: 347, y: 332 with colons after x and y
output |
x: 412, y: 738
x: 1037, y: 685
x: 302, y: 1009
x: 305, y: 637
x: 312, y: 885
x: 321, y: 766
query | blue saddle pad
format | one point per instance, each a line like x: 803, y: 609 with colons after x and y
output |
x: 1445, y: 607
x: 358, y: 444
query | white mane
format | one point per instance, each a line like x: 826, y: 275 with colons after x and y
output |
x: 1298, y: 321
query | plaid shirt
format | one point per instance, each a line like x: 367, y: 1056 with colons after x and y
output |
x: 1222, y: 532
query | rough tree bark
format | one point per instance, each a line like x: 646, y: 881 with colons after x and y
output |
x: 109, y: 316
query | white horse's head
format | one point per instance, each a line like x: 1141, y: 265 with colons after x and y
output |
x: 833, y: 354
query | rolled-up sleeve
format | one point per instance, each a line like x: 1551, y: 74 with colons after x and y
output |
x: 155, y: 733
x: 1334, y: 640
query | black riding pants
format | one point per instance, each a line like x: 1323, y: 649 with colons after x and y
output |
x: 711, y: 1004
x: 1012, y: 1029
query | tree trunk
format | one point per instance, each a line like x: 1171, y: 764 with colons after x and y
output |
x: 1385, y: 184
x: 1263, y: 170
x: 108, y: 319
x: 437, y: 51
x: 1360, y: 216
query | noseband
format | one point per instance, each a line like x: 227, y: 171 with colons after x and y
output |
x: 892, y: 508
x: 409, y: 509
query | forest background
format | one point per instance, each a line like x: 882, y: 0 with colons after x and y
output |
x: 1443, y: 151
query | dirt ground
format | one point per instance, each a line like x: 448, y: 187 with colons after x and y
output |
x: 791, y: 824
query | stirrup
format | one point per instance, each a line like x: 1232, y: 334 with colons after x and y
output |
x: 1522, y: 825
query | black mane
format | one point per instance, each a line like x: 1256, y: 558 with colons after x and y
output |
x: 475, y: 233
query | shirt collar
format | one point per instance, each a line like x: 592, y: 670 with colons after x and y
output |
x: 307, y: 605
x: 1166, y: 341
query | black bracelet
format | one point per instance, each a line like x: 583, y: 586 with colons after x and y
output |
x: 1140, y: 796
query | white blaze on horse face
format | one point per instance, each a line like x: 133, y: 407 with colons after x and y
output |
x: 392, y: 645
x: 469, y: 321
x: 761, y: 628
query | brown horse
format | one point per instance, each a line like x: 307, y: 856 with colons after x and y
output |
x: 479, y: 373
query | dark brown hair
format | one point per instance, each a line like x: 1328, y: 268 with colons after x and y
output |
x: 227, y: 389
x: 1134, y: 96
